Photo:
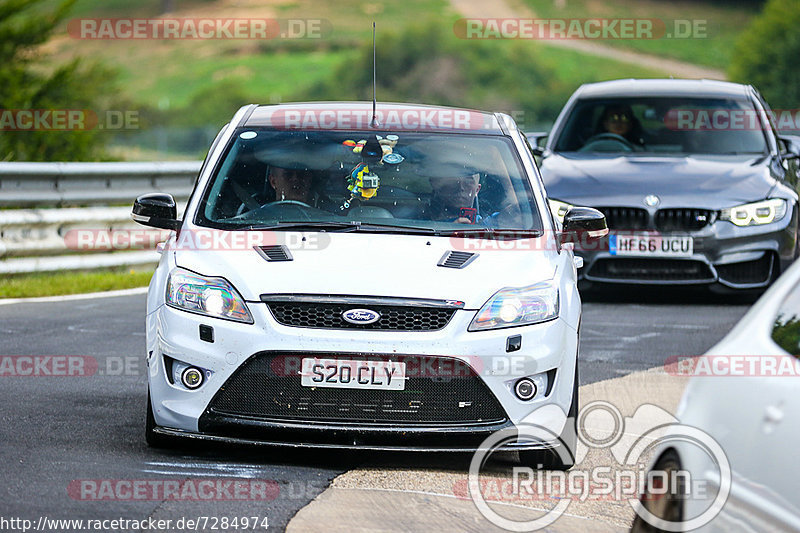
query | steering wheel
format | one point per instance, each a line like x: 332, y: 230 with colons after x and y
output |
x: 600, y: 137
x: 288, y: 202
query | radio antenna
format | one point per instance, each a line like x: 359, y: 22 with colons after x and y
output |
x: 374, y: 122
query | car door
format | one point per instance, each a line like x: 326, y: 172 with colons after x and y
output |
x: 765, y: 466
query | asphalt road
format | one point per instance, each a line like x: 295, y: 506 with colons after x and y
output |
x: 58, y: 435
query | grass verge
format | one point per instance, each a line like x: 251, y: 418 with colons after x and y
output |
x: 60, y: 283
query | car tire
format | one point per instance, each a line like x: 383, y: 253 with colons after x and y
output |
x: 554, y: 458
x: 153, y: 439
x: 667, y: 507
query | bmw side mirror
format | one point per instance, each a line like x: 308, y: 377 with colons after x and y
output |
x: 583, y: 224
x: 536, y: 141
x: 790, y: 147
x: 156, y: 209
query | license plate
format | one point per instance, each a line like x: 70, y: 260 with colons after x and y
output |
x: 352, y: 374
x: 650, y: 245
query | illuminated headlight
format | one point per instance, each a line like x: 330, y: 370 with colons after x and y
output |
x: 518, y: 307
x: 206, y: 296
x: 559, y: 209
x: 756, y: 213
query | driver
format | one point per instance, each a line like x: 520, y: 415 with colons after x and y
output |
x: 619, y: 120
x: 291, y: 184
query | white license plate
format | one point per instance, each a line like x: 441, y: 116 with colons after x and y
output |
x: 650, y: 245
x: 352, y: 374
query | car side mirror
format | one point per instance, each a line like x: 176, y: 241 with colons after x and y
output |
x: 536, y: 142
x: 583, y: 224
x: 789, y: 147
x: 156, y: 209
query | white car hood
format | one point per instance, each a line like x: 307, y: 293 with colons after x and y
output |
x: 377, y: 265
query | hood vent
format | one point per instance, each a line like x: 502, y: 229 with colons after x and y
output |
x: 277, y: 252
x: 452, y: 259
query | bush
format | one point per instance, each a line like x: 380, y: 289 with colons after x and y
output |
x: 24, y: 85
x: 766, y: 52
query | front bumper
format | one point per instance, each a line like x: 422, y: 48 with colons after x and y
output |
x: 724, y: 254
x: 549, y: 348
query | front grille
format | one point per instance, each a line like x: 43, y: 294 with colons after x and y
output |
x: 438, y: 391
x: 682, y: 219
x: 329, y: 316
x: 748, y: 272
x: 635, y: 269
x: 625, y: 218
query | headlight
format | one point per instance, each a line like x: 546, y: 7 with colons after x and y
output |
x: 518, y: 307
x: 206, y: 296
x: 756, y: 213
x: 559, y: 209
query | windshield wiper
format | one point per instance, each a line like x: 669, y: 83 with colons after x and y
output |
x: 304, y: 226
x: 492, y: 233
x: 343, y: 227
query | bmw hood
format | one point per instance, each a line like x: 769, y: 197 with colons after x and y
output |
x: 711, y: 182
x: 369, y: 265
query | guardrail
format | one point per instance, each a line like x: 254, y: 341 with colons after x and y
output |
x: 43, y: 204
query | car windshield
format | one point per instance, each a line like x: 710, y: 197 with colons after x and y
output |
x: 663, y: 125
x: 345, y: 180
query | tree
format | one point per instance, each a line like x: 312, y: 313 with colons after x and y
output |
x: 766, y: 53
x: 27, y: 84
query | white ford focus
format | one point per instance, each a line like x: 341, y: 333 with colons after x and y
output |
x: 339, y: 281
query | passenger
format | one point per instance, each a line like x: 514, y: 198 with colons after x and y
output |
x: 450, y: 195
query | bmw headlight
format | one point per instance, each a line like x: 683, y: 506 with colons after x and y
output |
x: 756, y: 213
x: 518, y: 307
x: 206, y: 296
x: 559, y: 209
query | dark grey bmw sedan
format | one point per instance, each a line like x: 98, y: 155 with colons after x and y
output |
x: 696, y: 184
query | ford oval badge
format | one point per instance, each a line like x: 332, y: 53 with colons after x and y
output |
x: 361, y: 316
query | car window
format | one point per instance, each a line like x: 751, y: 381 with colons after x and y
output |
x: 786, y: 328
x: 436, y: 180
x: 674, y: 125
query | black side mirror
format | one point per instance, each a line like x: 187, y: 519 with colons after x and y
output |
x: 584, y: 224
x: 156, y: 209
x: 789, y: 146
x: 536, y: 141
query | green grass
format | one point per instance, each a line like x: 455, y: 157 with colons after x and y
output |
x: 725, y: 21
x: 60, y: 283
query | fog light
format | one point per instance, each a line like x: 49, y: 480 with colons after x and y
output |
x: 525, y: 389
x: 192, y: 377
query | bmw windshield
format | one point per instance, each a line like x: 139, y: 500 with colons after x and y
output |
x: 334, y: 180
x: 663, y: 125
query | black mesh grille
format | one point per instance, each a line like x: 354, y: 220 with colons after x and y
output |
x: 625, y: 218
x: 438, y: 390
x: 758, y: 271
x: 329, y: 315
x: 276, y: 252
x: 682, y: 219
x: 651, y: 270
x: 453, y: 259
